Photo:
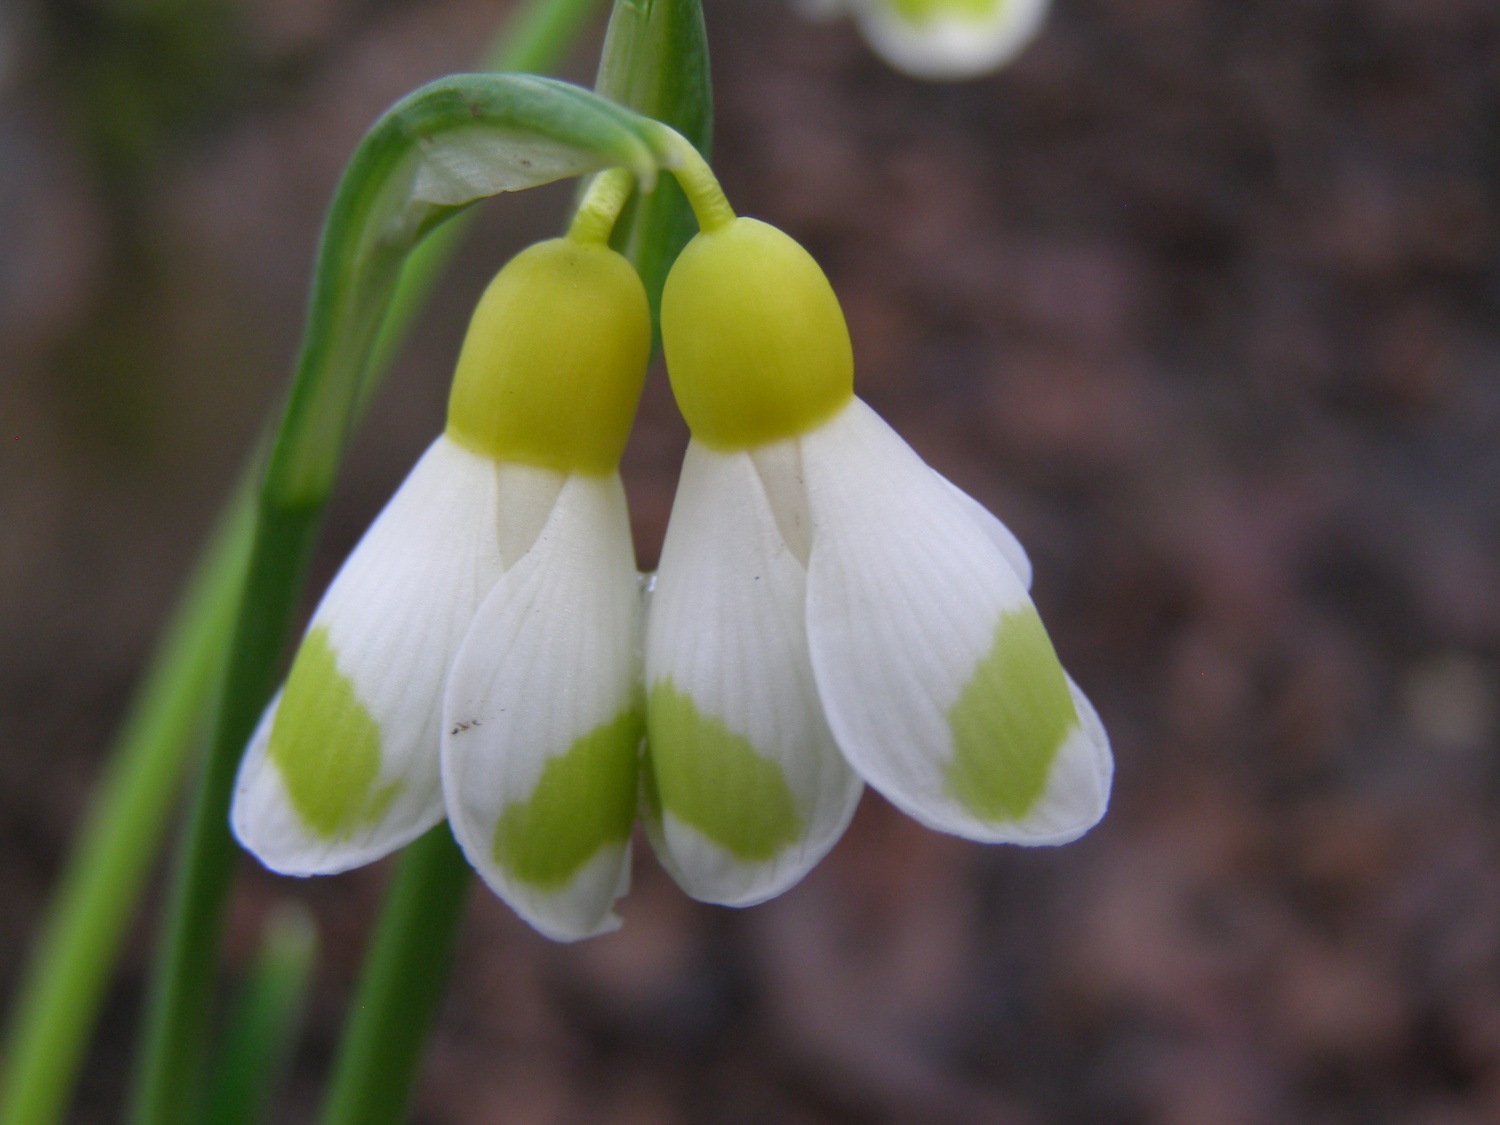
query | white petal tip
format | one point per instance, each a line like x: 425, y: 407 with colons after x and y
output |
x: 1074, y: 800
x: 580, y: 908
x: 265, y: 823
x: 947, y: 46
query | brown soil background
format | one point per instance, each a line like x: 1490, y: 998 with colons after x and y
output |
x: 1200, y: 296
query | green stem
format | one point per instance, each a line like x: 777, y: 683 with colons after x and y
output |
x: 77, y: 944
x: 402, y: 986
x: 595, y: 218
x: 698, y: 182
x: 266, y: 1019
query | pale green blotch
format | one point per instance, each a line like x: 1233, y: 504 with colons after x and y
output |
x: 584, y: 801
x: 926, y: 11
x: 712, y: 779
x: 1009, y: 722
x: 326, y: 745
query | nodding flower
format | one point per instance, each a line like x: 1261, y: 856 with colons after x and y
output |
x: 829, y: 610
x: 478, y: 655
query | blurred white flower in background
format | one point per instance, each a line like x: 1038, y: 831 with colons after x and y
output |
x: 940, y: 40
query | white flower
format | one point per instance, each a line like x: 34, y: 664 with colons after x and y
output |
x: 478, y: 653
x: 829, y: 609
x: 942, y: 40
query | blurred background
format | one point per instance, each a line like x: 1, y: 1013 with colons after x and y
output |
x: 1200, y: 296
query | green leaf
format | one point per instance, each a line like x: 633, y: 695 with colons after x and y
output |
x: 655, y: 61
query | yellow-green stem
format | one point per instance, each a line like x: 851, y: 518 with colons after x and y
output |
x: 699, y: 183
x: 601, y: 206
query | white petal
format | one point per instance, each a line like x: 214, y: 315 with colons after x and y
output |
x: 353, y: 773
x: 1000, y: 535
x: 952, y: 44
x: 542, y: 719
x: 937, y: 678
x: 746, y: 790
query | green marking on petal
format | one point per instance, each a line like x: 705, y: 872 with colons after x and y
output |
x: 927, y: 11
x: 584, y: 801
x: 710, y: 778
x: 326, y: 745
x: 1009, y: 722
x: 650, y: 802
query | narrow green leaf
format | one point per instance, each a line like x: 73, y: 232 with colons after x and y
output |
x: 538, y: 34
x: 78, y: 941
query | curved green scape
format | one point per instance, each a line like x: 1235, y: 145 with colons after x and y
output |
x: 435, y: 152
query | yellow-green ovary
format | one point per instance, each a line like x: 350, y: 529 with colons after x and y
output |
x: 552, y: 366
x: 712, y: 779
x: 326, y: 745
x: 756, y: 345
x: 584, y: 801
x: 925, y: 11
x: 1009, y: 722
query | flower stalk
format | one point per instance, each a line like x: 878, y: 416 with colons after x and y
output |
x: 595, y: 218
x: 402, y: 986
x: 710, y: 206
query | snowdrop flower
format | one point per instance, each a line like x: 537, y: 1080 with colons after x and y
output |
x: 830, y: 609
x: 478, y: 654
x: 943, y: 40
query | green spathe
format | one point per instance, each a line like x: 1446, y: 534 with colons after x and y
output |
x: 1009, y: 722
x: 326, y: 745
x: 926, y: 11
x: 712, y: 779
x: 584, y: 801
